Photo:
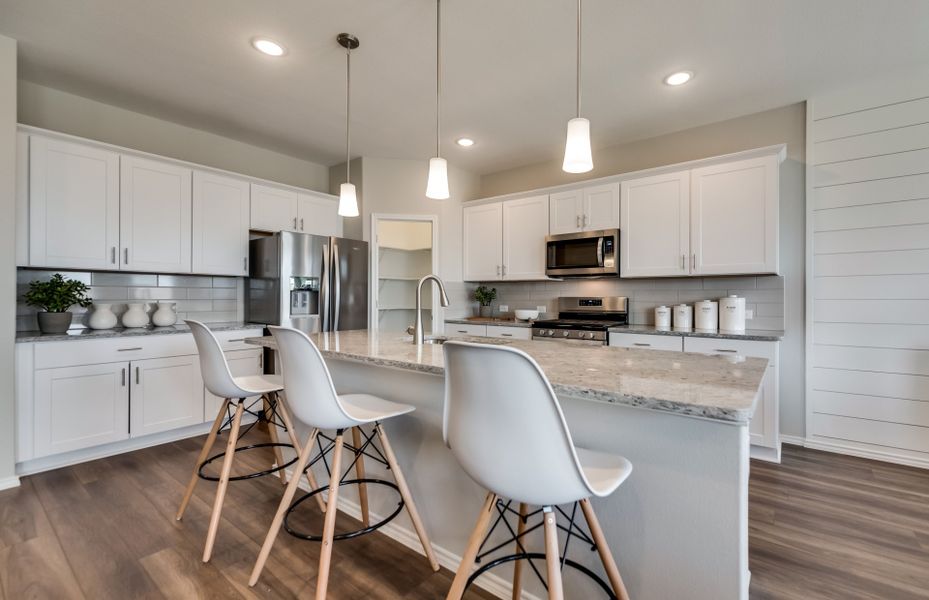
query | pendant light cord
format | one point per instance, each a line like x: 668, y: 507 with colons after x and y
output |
x: 578, y: 58
x: 348, y: 113
x: 438, y: 72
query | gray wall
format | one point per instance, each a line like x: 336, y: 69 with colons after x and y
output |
x: 7, y: 253
x: 782, y: 125
x: 49, y: 108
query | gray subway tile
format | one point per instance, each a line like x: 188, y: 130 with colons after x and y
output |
x: 729, y: 283
x: 200, y: 294
x: 106, y: 293
x: 25, y: 276
x: 194, y: 305
x: 224, y: 305
x: 225, y: 282
x: 125, y: 279
x: 189, y: 281
x: 769, y: 282
x: 147, y: 293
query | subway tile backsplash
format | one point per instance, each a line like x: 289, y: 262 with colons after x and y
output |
x: 763, y: 294
x: 204, y: 298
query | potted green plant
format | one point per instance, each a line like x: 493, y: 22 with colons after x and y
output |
x: 54, y: 297
x: 484, y: 296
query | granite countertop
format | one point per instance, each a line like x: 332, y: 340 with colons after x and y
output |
x: 490, y: 321
x: 755, y: 335
x: 722, y: 388
x: 96, y: 334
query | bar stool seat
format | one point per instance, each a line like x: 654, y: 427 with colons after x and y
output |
x: 604, y: 472
x: 365, y: 408
x: 253, y: 385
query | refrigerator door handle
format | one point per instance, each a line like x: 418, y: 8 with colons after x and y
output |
x: 337, y: 284
x: 324, y: 291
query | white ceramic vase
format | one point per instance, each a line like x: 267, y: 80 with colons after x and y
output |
x: 135, y: 316
x: 102, y: 317
x: 165, y: 315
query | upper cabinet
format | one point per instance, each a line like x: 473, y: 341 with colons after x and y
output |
x: 584, y: 209
x: 154, y: 216
x: 274, y: 209
x: 220, y: 224
x: 73, y: 205
x: 505, y: 240
x: 655, y: 236
x: 734, y: 217
x: 565, y: 210
x: 318, y: 215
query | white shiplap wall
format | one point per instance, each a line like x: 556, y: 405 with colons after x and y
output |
x: 868, y: 281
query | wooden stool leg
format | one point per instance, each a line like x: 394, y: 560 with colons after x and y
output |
x: 325, y: 555
x: 552, y: 560
x: 360, y: 474
x: 407, y: 497
x: 204, y: 453
x: 288, y: 423
x: 474, y: 545
x: 518, y: 566
x: 272, y: 433
x: 282, y: 510
x: 612, y: 572
x: 223, y: 481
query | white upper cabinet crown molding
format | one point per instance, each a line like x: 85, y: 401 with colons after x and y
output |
x: 220, y: 224
x: 155, y: 216
x: 525, y: 227
x: 655, y: 235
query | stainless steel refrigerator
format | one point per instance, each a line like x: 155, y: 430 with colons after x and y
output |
x: 308, y: 282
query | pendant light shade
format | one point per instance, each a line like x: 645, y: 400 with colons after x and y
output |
x: 437, y: 183
x: 577, y: 155
x: 348, y: 199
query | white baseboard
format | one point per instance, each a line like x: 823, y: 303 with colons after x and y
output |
x: 489, y: 582
x: 766, y: 454
x: 839, y: 447
x: 793, y: 440
x: 9, y: 483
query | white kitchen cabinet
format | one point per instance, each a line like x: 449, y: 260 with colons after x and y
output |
x: 734, y: 217
x: 482, y: 242
x: 585, y: 209
x: 525, y: 226
x: 154, y: 216
x: 655, y: 236
x: 220, y: 224
x: 73, y: 205
x: 644, y: 341
x: 509, y: 332
x: 80, y: 407
x: 165, y: 393
x: 241, y: 363
x: 318, y: 215
x: 565, y: 209
x: 465, y: 329
x: 274, y: 209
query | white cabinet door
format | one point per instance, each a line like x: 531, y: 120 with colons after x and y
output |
x: 601, y: 207
x: 482, y: 242
x: 274, y: 209
x: 73, y: 205
x: 655, y: 234
x: 644, y: 341
x: 80, y: 407
x: 734, y: 217
x: 525, y: 225
x: 565, y: 212
x: 220, y: 224
x: 241, y: 363
x: 459, y: 329
x: 166, y: 393
x: 511, y: 333
x: 154, y: 216
x: 319, y: 215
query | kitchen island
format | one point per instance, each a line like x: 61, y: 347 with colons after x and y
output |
x: 678, y: 527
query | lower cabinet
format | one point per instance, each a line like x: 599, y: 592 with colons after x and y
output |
x: 166, y: 393
x: 494, y: 331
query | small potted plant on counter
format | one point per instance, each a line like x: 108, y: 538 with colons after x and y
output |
x: 54, y: 297
x: 484, y: 296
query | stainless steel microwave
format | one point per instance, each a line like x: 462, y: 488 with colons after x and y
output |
x: 583, y: 254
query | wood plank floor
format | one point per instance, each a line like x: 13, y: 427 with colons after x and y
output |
x: 822, y: 526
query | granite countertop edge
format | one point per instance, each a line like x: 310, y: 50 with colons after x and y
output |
x: 23, y: 337
x: 491, y: 322
x: 754, y: 335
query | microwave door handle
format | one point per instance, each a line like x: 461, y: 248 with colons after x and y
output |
x: 600, y: 251
x: 337, y: 287
x: 324, y: 291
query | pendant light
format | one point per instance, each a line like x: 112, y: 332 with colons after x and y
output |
x: 577, y: 156
x: 437, y: 184
x: 348, y: 199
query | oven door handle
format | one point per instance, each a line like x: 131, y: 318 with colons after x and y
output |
x: 600, y: 251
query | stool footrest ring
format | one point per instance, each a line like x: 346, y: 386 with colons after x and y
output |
x: 541, y: 556
x: 351, y: 534
x: 203, y: 465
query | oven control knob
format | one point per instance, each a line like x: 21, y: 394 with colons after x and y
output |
x: 551, y: 332
x: 566, y: 333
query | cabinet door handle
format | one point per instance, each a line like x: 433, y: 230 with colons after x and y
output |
x: 577, y: 221
x: 245, y: 264
x: 641, y: 344
x: 113, y: 255
x: 498, y: 269
x: 124, y: 377
x: 693, y: 260
x: 295, y: 222
x: 683, y: 258
x: 585, y: 220
x: 137, y: 375
x: 301, y: 224
x: 724, y: 350
x: 504, y: 270
x: 128, y: 349
x: 126, y: 256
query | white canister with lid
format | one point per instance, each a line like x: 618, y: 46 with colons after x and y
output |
x: 732, y: 313
x: 663, y: 316
x: 683, y: 317
x: 706, y: 315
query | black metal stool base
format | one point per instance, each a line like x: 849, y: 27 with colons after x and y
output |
x: 351, y: 534
x: 567, y: 562
x: 203, y: 475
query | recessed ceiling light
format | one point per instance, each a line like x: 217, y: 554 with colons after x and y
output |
x: 268, y: 47
x: 466, y: 142
x: 679, y: 78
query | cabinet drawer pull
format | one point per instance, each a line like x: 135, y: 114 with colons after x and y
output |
x: 724, y: 350
x: 301, y: 224
x: 461, y: 330
x: 126, y: 255
x: 129, y: 349
x: 506, y: 334
x: 137, y: 375
x: 640, y: 344
x: 295, y: 222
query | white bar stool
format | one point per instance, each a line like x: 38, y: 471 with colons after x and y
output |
x: 219, y: 381
x: 504, y: 424
x: 316, y: 404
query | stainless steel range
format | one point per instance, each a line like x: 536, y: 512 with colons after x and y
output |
x: 584, y: 319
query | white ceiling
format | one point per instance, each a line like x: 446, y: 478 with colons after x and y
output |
x: 509, y: 66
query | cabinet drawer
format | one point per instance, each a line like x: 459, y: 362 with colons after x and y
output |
x: 74, y: 353
x: 647, y: 342
x: 741, y: 347
x: 516, y: 333
x: 235, y: 340
x: 458, y: 329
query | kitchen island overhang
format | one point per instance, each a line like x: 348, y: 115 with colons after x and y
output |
x: 678, y: 527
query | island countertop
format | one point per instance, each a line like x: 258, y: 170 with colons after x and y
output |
x: 722, y: 388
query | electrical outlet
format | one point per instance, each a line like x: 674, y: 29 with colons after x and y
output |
x: 504, y: 308
x: 541, y: 309
x: 749, y: 314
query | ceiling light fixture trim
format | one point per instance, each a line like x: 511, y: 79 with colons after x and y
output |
x: 348, y: 197
x: 268, y: 47
x: 679, y: 78
x: 465, y: 142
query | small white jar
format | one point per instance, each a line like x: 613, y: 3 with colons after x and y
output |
x: 165, y: 315
x: 135, y: 316
x: 683, y: 317
x: 102, y: 317
x: 706, y: 315
x: 663, y: 317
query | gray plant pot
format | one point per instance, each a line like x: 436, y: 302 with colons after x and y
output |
x: 54, y: 322
x: 486, y: 311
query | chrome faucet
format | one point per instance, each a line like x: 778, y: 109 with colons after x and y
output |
x: 418, y: 333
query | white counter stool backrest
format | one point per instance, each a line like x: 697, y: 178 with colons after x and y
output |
x: 311, y: 394
x: 505, y: 426
x: 213, y: 366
